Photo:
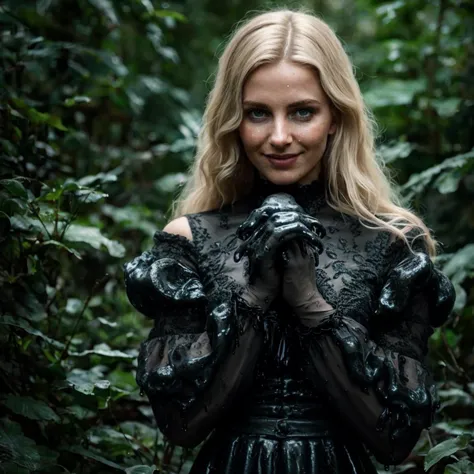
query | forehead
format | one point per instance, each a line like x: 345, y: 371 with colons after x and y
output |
x: 283, y: 81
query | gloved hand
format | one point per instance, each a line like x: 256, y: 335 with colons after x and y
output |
x: 413, y: 275
x: 299, y: 280
x: 265, y: 233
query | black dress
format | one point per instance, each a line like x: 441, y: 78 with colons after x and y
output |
x: 275, y: 396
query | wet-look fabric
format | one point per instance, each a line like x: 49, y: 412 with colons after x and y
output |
x: 280, y: 393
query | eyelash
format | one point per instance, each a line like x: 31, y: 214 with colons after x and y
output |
x: 307, y: 118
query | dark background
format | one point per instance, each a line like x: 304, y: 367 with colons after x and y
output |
x: 99, y: 108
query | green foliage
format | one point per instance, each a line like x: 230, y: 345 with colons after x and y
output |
x: 99, y: 112
x: 83, y: 153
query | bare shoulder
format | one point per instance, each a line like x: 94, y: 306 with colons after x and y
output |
x: 179, y: 226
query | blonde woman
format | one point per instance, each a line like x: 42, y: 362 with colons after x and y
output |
x: 292, y: 295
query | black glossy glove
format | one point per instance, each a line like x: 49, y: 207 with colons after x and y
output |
x: 266, y: 232
x: 413, y: 275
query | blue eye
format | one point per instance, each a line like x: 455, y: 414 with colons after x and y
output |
x: 304, y: 114
x: 257, y: 114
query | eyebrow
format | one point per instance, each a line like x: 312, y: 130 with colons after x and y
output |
x: 299, y: 103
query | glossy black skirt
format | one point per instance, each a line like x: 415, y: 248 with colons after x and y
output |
x: 263, y: 445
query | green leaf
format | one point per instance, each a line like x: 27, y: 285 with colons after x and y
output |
x: 19, y: 450
x: 39, y: 117
x: 30, y: 408
x: 74, y: 305
x: 22, y: 324
x: 78, y: 99
x: 464, y: 466
x: 395, y: 151
x: 389, y: 10
x: 141, y: 469
x: 170, y: 183
x: 88, y: 196
x: 14, y: 187
x: 87, y: 388
x: 101, y: 178
x: 107, y: 9
x: 56, y: 123
x: 55, y: 243
x: 460, y: 264
x: 48, y: 457
x: 446, y: 448
x: 92, y: 236
x: 455, y: 167
x: 393, y: 92
x: 29, y: 307
x: 96, y: 456
x: 80, y: 413
x: 12, y: 468
x: 5, y: 225
x: 166, y: 14
x: 105, y: 322
x: 105, y: 351
x: 13, y: 206
x: 456, y: 427
x: 26, y: 224
x: 447, y: 107
x: 147, y: 5
x: 131, y: 217
x: 8, y: 146
x: 42, y: 6
x: 448, y: 182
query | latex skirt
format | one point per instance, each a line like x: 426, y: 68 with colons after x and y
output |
x: 262, y: 444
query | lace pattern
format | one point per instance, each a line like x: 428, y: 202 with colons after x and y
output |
x: 208, y: 346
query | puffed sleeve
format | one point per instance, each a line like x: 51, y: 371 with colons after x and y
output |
x: 376, y: 380
x: 202, y: 350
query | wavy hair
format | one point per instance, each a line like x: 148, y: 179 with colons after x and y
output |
x: 357, y: 184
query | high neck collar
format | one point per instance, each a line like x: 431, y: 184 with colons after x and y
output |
x: 311, y: 196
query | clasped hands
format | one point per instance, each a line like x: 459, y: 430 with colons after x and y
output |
x: 283, y: 245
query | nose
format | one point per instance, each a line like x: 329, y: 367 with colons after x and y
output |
x: 281, y: 133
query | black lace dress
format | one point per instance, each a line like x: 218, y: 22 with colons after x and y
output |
x: 275, y: 396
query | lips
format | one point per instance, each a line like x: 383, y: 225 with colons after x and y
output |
x: 287, y: 156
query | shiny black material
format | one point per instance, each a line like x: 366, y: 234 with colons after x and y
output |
x: 417, y: 273
x: 279, y: 392
x: 269, y: 228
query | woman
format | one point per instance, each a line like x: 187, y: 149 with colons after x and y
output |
x: 292, y: 296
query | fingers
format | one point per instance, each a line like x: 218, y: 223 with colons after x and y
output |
x: 297, y: 252
x: 276, y: 203
x: 297, y: 231
x: 275, y: 236
x: 249, y: 245
x: 268, y: 228
x: 255, y: 219
x: 314, y: 224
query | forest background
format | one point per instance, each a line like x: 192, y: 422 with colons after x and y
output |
x: 100, y: 106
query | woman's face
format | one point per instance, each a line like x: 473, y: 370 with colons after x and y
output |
x: 286, y: 123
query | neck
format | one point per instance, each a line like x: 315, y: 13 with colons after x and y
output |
x: 310, y: 196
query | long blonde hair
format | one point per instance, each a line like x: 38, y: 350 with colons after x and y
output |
x: 356, y: 183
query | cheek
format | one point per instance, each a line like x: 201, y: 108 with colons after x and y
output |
x: 315, y: 134
x: 251, y: 135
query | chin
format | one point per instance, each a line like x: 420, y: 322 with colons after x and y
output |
x: 280, y: 178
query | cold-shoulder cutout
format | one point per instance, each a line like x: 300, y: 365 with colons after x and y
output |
x: 202, y: 351
x: 179, y: 226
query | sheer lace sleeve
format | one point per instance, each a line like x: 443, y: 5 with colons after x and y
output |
x: 376, y: 380
x: 203, y: 348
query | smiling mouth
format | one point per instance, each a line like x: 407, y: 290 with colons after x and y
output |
x: 287, y: 156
